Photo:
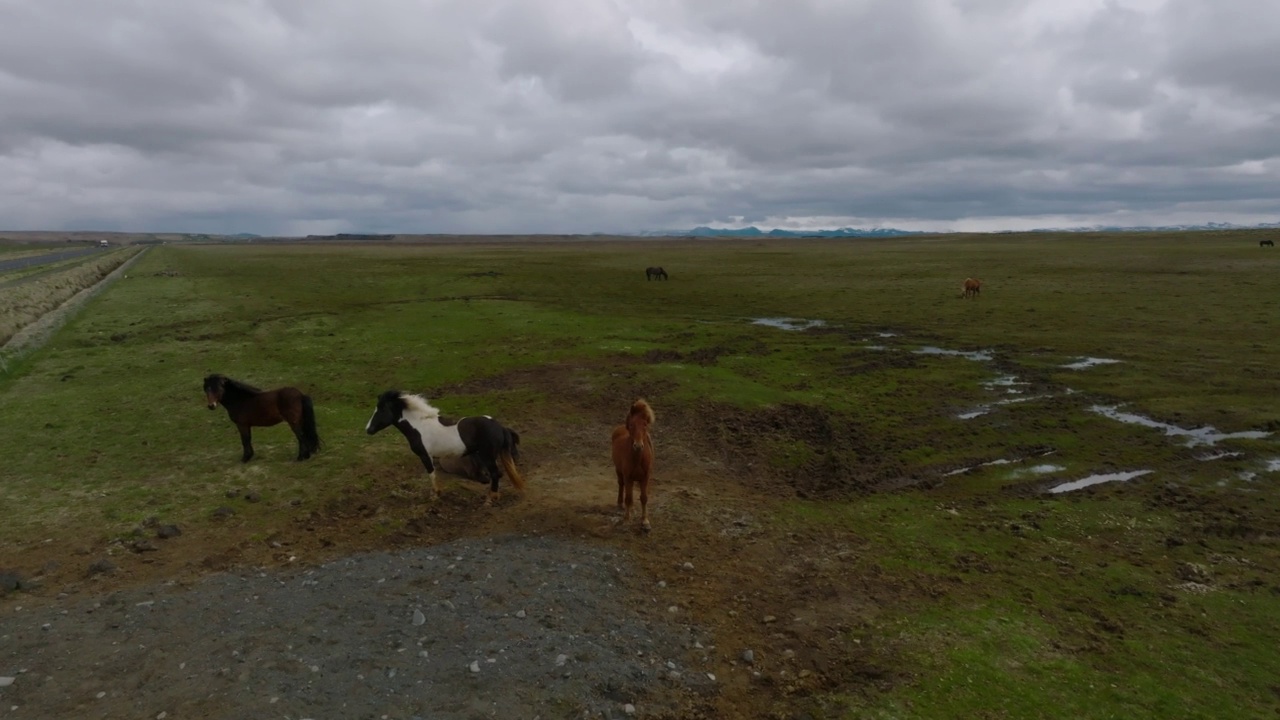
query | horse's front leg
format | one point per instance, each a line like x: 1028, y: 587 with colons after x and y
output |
x: 246, y: 441
x: 630, y: 485
x: 425, y: 457
x: 644, y: 504
x: 620, y: 483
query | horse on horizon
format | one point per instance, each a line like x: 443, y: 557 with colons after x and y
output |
x: 1266, y: 243
x: 480, y: 439
x: 249, y: 407
x: 633, y: 460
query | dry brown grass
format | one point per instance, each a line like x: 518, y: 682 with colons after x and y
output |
x: 23, y: 304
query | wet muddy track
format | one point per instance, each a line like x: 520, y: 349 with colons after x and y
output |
x: 26, y: 262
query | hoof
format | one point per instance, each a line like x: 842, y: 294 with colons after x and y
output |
x: 646, y: 527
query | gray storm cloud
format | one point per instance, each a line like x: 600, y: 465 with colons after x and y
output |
x: 298, y: 116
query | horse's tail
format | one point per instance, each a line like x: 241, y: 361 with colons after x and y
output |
x: 309, y: 433
x: 509, y: 465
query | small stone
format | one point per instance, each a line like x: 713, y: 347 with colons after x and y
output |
x: 424, y: 654
x: 142, y: 546
x: 6, y: 681
x: 223, y: 513
x: 788, y: 654
x: 561, y: 660
x: 629, y: 709
x: 671, y: 665
x: 101, y: 566
x: 672, y: 609
x: 688, y: 566
x: 749, y: 657
x: 448, y: 604
x: 418, y: 617
x: 521, y: 614
x: 9, y: 582
x: 769, y: 619
x: 102, y: 694
x: 805, y: 673
x: 711, y: 677
x: 162, y: 715
x: 662, y: 583
x: 164, y: 532
x: 475, y: 666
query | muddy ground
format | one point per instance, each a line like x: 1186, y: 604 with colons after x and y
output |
x: 565, y: 611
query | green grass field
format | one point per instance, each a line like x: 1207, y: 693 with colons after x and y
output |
x: 1152, y: 598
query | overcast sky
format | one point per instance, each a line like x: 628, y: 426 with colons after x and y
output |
x: 319, y: 116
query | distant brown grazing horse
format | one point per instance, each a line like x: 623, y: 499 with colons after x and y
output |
x: 1266, y: 243
x: 633, y: 459
x: 651, y: 273
x: 971, y: 288
x: 248, y: 406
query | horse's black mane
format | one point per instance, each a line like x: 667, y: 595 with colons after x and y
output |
x: 240, y: 387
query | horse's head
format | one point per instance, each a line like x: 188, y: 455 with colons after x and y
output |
x: 388, y: 412
x: 638, y: 422
x: 214, y: 385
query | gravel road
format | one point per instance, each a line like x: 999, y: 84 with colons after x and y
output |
x: 505, y: 627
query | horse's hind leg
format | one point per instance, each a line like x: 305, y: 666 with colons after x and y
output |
x: 247, y: 441
x: 303, y: 451
x: 491, y: 469
x: 619, y: 490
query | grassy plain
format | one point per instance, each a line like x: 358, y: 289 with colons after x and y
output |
x: 963, y: 590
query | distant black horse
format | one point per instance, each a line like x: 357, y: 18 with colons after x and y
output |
x: 1266, y: 243
x: 655, y: 272
x: 248, y: 406
x: 480, y: 438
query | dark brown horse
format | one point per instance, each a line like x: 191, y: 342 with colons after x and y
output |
x: 1266, y: 243
x: 633, y: 459
x: 971, y: 288
x: 651, y: 273
x: 248, y: 407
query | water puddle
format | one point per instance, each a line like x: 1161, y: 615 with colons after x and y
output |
x: 978, y: 355
x: 1207, y: 435
x: 1009, y: 383
x: 984, y: 409
x: 1097, y: 480
x: 1273, y: 465
x: 1044, y: 469
x: 873, y: 347
x: 1219, y: 456
x: 786, y: 323
x: 1088, y: 362
x: 1038, y: 469
x: 886, y: 334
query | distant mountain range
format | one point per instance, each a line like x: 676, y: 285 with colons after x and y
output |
x: 849, y: 232
x: 703, y: 231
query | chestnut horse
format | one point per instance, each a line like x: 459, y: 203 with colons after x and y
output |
x: 971, y: 287
x: 248, y: 406
x: 633, y: 459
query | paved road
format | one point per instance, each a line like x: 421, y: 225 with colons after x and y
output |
x: 26, y: 262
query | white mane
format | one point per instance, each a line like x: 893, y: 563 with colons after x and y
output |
x: 418, y: 405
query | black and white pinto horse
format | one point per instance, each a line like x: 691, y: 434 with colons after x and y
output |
x: 480, y: 439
